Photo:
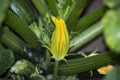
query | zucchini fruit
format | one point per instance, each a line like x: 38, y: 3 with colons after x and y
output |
x: 79, y: 65
x: 19, y: 17
x: 23, y: 10
x: 9, y: 39
x: 85, y: 36
x: 15, y: 23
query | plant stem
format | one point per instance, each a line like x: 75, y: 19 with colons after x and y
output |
x: 55, y: 70
x: 18, y: 77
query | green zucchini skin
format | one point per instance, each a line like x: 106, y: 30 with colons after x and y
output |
x: 85, y: 36
x: 15, y: 23
x: 19, y: 18
x: 23, y: 10
x: 12, y: 41
x: 79, y: 65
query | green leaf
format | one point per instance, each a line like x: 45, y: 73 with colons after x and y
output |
x: 23, y: 67
x: 6, y: 59
x: 41, y: 32
x: 112, y: 3
x: 52, y: 6
x: 61, y: 8
x: 3, y: 7
x: 113, y: 74
x: 37, y: 77
x: 111, y: 23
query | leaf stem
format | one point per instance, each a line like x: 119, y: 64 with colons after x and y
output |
x: 55, y: 69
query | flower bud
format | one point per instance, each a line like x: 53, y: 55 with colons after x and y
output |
x: 60, y: 39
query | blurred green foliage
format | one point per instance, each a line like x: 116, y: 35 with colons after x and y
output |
x: 3, y: 7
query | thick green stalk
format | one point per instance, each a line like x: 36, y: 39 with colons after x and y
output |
x: 12, y: 41
x: 84, y: 22
x: 24, y: 31
x: 75, y: 13
x: 55, y: 70
x: 79, y: 65
x: 40, y: 6
x: 85, y: 36
x: 52, y: 6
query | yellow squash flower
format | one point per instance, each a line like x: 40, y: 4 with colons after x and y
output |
x: 105, y: 69
x: 60, y: 39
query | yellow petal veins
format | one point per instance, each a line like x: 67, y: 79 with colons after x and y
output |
x: 60, y: 39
